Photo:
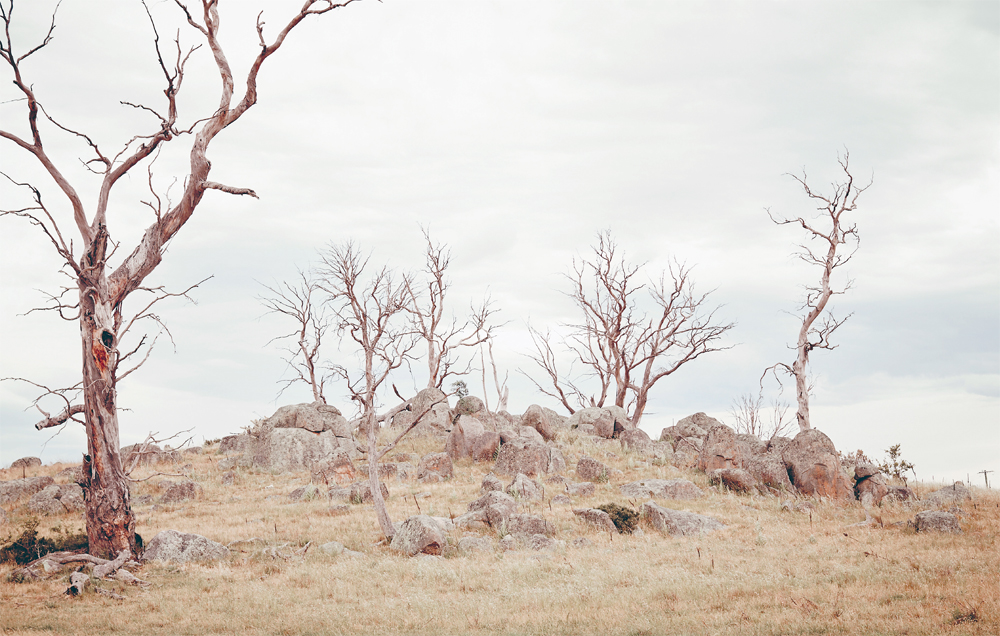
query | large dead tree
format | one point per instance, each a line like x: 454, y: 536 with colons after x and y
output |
x: 632, y: 334
x: 838, y: 241
x: 372, y: 312
x: 444, y: 336
x: 102, y: 286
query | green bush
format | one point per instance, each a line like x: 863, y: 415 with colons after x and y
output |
x: 625, y: 519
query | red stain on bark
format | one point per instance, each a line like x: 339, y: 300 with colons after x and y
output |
x: 100, y: 356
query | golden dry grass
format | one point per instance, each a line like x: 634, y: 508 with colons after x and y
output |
x: 768, y: 572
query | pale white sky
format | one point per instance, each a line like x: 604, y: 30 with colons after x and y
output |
x: 518, y: 130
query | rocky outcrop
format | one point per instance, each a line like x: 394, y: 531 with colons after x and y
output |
x: 485, y: 447
x: 525, y: 489
x: 597, y: 518
x: 435, y: 467
x: 421, y: 534
x: 536, y: 418
x: 589, y: 469
x: 438, y: 417
x: 948, y: 496
x: 235, y: 443
x: 338, y: 469
x: 936, y: 521
x: 522, y: 524
x: 529, y: 457
x: 181, y: 491
x: 593, y: 420
x: 677, y: 522
x: 769, y: 470
x: 56, y: 500
x: 492, y: 509
x: 181, y: 547
x: 147, y: 455
x: 734, y: 479
x: 662, y: 488
x: 696, y: 426
x: 814, y: 466
x: 720, y: 449
x: 469, y: 405
x: 361, y: 492
x: 284, y: 450
x: 316, y: 417
x: 23, y: 464
x: 15, y: 489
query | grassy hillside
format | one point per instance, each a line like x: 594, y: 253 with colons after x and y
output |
x: 769, y: 572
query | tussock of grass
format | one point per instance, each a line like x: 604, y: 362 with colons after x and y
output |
x: 768, y: 572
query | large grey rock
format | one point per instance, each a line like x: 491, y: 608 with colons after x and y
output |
x: 15, y: 489
x: 361, y: 492
x: 435, y: 467
x: 338, y: 469
x: 720, y: 449
x: 597, y: 518
x: 662, y: 488
x: 529, y: 525
x: 524, y: 456
x: 634, y: 439
x: 734, y: 479
x: 677, y: 522
x: 490, y: 483
x: 420, y: 534
x: 23, y: 464
x: 536, y: 418
x: 437, y: 416
x: 557, y: 420
x: 949, y: 495
x: 235, y: 443
x: 315, y: 417
x: 147, y: 455
x: 464, y: 433
x: 769, y: 469
x: 696, y: 425
x: 496, y: 508
x: 589, y: 469
x: 181, y: 491
x: 936, y: 521
x: 814, y: 464
x: 593, y: 420
x: 620, y: 421
x: 56, y: 500
x: 581, y: 489
x: 469, y: 405
x: 283, y: 450
x: 485, y: 447
x: 181, y: 547
x: 525, y: 489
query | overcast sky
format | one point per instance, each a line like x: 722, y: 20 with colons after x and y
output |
x: 515, y: 132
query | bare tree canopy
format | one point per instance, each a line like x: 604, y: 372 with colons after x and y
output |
x: 632, y: 334
x: 102, y: 287
x: 838, y: 241
x: 300, y: 301
x: 371, y: 310
x: 442, y: 335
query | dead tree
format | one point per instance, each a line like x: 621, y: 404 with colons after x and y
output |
x: 748, y: 417
x: 300, y: 301
x: 101, y: 285
x: 444, y: 337
x: 632, y: 334
x: 838, y: 240
x: 372, y: 312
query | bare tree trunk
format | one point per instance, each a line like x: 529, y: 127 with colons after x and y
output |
x: 110, y: 525
x: 384, y: 522
x: 801, y: 383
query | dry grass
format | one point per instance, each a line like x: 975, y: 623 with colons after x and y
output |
x: 768, y: 572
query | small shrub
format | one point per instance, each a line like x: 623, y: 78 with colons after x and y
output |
x: 27, y: 547
x: 895, y: 465
x: 625, y: 519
